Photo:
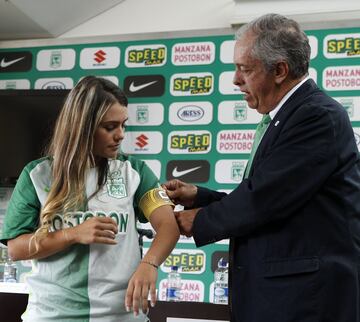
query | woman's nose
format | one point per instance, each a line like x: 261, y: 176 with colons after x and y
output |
x: 119, y: 134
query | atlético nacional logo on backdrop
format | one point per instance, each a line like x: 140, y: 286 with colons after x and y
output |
x: 240, y: 111
x: 115, y: 185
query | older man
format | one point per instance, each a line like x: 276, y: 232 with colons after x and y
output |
x: 294, y: 220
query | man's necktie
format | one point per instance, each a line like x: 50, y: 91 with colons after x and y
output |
x: 260, y: 130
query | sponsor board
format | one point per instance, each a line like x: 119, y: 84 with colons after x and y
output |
x: 352, y: 106
x: 155, y: 167
x: 14, y: 84
x: 100, y: 58
x: 194, y: 171
x: 145, y: 56
x: 341, y: 78
x: 227, y: 51
x: 141, y: 114
x: 186, y: 240
x: 190, y: 113
x: 226, y: 85
x: 342, y: 46
x: 235, y: 141
x: 55, y: 59
x: 186, y: 142
x: 313, y: 74
x: 15, y: 61
x: 192, y: 84
x: 193, y: 53
x: 144, y: 85
x: 191, y: 291
x: 216, y: 257
x: 144, y: 142
x: 357, y: 136
x: 313, y: 42
x: 189, y: 261
x: 230, y: 171
x: 237, y: 112
x: 223, y: 242
x: 54, y: 83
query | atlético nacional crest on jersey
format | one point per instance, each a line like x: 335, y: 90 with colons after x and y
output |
x: 115, y: 185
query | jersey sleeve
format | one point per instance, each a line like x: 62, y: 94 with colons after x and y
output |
x: 22, y: 213
x: 149, y: 194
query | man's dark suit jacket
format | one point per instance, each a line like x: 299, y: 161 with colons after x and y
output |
x: 294, y: 224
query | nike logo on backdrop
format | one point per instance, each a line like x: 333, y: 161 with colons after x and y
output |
x: 135, y: 88
x: 176, y: 173
x: 188, y: 170
x: 5, y: 64
x: 144, y: 85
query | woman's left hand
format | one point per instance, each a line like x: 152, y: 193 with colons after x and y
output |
x: 140, y: 285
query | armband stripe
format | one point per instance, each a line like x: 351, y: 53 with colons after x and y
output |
x: 152, y: 200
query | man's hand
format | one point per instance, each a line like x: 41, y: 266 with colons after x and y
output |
x: 185, y: 220
x: 180, y: 192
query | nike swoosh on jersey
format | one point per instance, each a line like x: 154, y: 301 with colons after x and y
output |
x: 4, y: 63
x: 133, y: 88
x: 176, y: 173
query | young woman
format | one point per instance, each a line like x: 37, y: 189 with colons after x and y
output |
x: 74, y: 214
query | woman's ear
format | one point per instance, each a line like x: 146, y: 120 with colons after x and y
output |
x: 281, y: 72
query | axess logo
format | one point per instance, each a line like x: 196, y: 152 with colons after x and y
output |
x: 342, y: 46
x: 192, y: 84
x: 145, y: 56
x: 191, y: 261
x: 188, y: 170
x: 189, y: 113
x: 189, y: 142
x: 54, y: 83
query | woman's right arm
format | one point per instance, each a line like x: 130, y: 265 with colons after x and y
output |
x: 94, y: 230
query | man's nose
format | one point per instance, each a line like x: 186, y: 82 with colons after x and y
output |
x: 238, y: 78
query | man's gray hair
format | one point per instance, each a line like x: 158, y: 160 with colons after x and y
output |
x: 278, y: 38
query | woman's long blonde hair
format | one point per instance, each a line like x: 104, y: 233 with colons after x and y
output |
x: 71, y: 146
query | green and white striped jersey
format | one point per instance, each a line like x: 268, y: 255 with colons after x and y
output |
x: 83, y: 282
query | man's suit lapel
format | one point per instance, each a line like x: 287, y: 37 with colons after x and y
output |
x: 274, y: 128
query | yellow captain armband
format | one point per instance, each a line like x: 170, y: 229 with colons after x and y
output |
x: 152, y: 200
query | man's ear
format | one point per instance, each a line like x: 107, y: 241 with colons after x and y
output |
x: 281, y: 72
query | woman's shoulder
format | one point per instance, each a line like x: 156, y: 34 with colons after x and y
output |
x: 134, y: 161
x: 33, y: 164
